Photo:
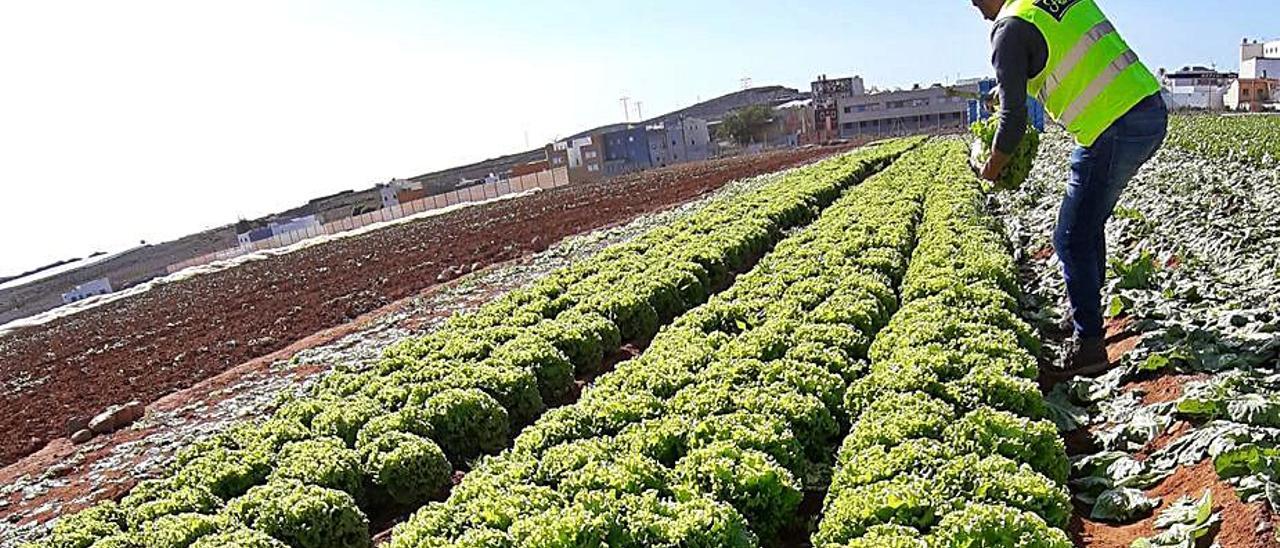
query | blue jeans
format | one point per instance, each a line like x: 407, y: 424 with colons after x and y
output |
x: 1099, y: 174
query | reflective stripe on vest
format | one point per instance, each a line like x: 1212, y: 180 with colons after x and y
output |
x: 1073, y: 57
x: 1099, y: 84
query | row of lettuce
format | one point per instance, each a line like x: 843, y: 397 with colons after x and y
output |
x: 711, y: 437
x: 390, y: 438
x: 949, y: 446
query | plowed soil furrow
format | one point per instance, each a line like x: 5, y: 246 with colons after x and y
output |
x: 178, y: 334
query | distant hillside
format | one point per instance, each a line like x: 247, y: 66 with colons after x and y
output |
x: 37, y: 270
x: 716, y: 109
x: 602, y: 129
x: 447, y: 180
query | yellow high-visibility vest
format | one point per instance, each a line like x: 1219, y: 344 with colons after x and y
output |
x: 1092, y: 77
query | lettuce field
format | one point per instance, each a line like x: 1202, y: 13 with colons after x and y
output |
x: 1249, y: 138
x: 845, y: 355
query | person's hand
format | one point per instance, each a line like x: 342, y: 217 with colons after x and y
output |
x: 994, y: 166
x: 989, y: 172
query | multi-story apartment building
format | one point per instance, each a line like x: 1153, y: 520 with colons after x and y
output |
x: 640, y: 147
x: 626, y: 151
x: 826, y: 110
x: 1253, y: 49
x: 677, y: 141
x: 1259, y: 77
x: 917, y: 110
x: 1252, y: 94
x: 1261, y: 68
x: 793, y: 125
x: 1260, y: 60
x: 583, y: 156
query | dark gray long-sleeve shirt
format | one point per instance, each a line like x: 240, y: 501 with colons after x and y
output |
x: 1019, y: 53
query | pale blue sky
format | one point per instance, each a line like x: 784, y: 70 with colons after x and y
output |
x: 150, y: 119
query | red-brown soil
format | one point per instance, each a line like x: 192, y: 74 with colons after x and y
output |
x: 1120, y: 339
x: 81, y: 489
x: 179, y: 334
x: 1172, y: 434
x: 1164, y: 388
x: 1240, y: 521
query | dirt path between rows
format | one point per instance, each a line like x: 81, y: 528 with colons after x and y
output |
x: 179, y: 334
x: 1240, y: 520
x: 1244, y: 525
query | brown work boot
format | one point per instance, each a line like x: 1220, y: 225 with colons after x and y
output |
x: 1084, y: 357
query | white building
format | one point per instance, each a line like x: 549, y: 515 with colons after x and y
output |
x: 1252, y: 49
x: 86, y: 290
x: 1213, y: 99
x: 1199, y: 88
x: 1259, y: 77
x: 677, y: 141
x: 1260, y: 60
x: 388, y: 193
x: 579, y: 151
x: 1261, y: 68
x: 300, y: 224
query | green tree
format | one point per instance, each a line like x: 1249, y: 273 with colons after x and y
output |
x: 746, y: 125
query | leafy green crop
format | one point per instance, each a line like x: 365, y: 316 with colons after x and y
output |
x: 82, y: 529
x: 1020, y: 163
x: 365, y: 436
x: 301, y: 515
x: 752, y: 482
x: 710, y: 437
x: 240, y: 538
x: 1138, y: 273
x: 466, y: 424
x: 1183, y: 523
x: 177, y: 531
x: 947, y: 446
x: 152, y: 499
x: 1254, y: 139
x: 345, y: 421
x: 412, y: 469
x: 324, y: 462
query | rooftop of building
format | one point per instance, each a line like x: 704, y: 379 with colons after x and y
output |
x: 914, y: 91
x: 795, y: 104
x: 1197, y: 70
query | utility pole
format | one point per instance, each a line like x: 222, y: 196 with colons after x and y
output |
x: 746, y: 83
x: 640, y: 110
x: 626, y: 107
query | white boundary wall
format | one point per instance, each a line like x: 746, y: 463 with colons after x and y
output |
x: 544, y: 180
